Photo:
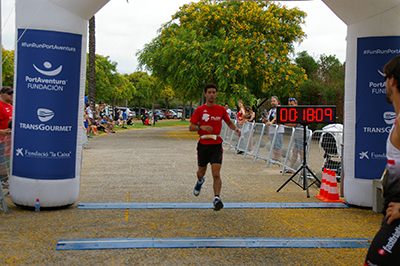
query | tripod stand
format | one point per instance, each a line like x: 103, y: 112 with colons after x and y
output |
x: 304, y: 167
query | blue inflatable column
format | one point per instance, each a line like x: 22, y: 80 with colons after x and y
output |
x: 49, y: 86
x: 373, y: 38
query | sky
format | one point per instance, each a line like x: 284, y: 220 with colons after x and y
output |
x: 122, y: 29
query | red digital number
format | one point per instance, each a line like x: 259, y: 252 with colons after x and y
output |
x: 310, y: 115
x: 283, y: 117
x: 319, y: 114
x: 328, y: 112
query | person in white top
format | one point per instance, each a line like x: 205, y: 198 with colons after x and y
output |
x: 385, y: 247
x: 228, y: 110
x: 277, y: 149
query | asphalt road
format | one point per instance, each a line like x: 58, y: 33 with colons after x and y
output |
x: 159, y: 165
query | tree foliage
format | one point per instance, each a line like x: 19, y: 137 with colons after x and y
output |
x: 243, y: 47
x: 143, y: 84
x: 111, y: 86
x: 8, y: 67
x: 326, y: 81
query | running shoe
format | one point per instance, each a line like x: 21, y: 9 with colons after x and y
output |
x: 197, y: 187
x: 218, y: 204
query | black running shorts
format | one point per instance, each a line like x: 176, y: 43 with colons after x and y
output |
x: 209, y: 154
x: 385, y: 248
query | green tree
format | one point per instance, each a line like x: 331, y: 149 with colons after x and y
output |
x: 326, y: 81
x: 143, y: 84
x: 122, y: 90
x: 167, y: 93
x: 111, y: 87
x: 243, y: 47
x: 307, y: 62
x: 8, y: 67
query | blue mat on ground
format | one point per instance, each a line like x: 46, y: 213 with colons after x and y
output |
x: 121, y: 243
x: 209, y: 205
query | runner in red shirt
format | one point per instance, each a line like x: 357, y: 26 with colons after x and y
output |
x: 207, y: 121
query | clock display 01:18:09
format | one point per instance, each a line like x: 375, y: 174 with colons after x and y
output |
x: 306, y: 114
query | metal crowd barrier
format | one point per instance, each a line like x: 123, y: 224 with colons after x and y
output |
x: 4, y: 172
x: 245, y: 142
x: 282, y: 137
x: 287, y: 146
x: 255, y: 142
x: 294, y: 158
x: 327, y: 148
x: 264, y: 144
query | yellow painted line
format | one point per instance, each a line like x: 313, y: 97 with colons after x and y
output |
x: 180, y: 139
x: 234, y: 182
x: 127, y: 210
x: 131, y: 169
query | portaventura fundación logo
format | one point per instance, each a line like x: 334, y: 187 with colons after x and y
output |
x: 49, y: 84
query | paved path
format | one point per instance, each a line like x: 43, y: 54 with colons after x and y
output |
x: 158, y: 165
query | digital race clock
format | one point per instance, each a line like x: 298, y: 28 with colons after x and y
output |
x: 306, y: 114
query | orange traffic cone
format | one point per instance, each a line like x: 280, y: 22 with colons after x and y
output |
x: 323, y: 187
x: 327, y: 183
x: 333, y: 193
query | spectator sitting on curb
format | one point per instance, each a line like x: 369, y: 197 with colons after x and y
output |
x: 109, y: 126
x: 147, y: 122
x: 130, y: 122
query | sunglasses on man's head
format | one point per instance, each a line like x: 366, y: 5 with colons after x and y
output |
x: 292, y: 99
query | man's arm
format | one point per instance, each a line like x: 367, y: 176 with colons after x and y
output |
x: 271, y: 122
x: 194, y: 127
x: 232, y: 126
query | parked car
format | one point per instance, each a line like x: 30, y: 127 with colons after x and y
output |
x: 158, y: 114
x: 171, y: 114
x: 143, y: 111
x: 128, y: 111
x: 178, y: 113
x: 188, y: 110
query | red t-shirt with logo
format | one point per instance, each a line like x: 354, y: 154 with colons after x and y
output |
x: 6, y: 111
x: 210, y: 116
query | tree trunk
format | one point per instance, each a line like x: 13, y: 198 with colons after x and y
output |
x: 190, y: 110
x: 92, y: 61
x: 166, y: 106
x: 140, y: 110
x: 184, y: 110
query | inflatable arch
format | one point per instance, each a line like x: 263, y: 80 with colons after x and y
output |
x: 50, y: 82
x: 49, y: 86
